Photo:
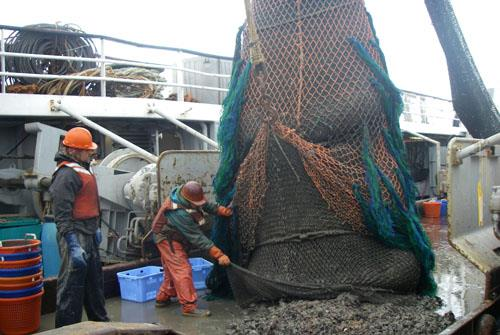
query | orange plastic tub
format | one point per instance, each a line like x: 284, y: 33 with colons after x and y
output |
x: 20, y: 264
x: 20, y: 315
x: 21, y: 286
x: 432, y: 209
x: 18, y: 246
x: 20, y: 280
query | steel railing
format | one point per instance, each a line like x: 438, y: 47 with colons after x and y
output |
x: 101, y: 61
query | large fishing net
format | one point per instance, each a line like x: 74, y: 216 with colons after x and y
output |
x: 313, y: 160
x: 471, y: 99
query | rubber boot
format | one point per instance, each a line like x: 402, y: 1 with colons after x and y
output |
x: 163, y: 303
x: 199, y: 313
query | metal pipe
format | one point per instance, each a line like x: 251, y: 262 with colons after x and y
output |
x: 136, y: 232
x: 494, y: 206
x: 438, y: 151
x: 119, y: 247
x: 157, y: 142
x: 180, y: 80
x: 56, y: 106
x: 153, y: 109
x: 12, y: 183
x: 103, y: 69
x: 214, y: 129
x: 2, y: 60
x: 204, y: 131
x: 118, y: 80
x: 219, y: 82
x: 181, y: 140
x: 478, y: 146
x: 16, y: 157
x: 430, y: 116
x: 113, y: 61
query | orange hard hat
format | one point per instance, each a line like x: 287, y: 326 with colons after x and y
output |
x: 193, y: 192
x: 79, y: 138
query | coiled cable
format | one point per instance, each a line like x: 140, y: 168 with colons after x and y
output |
x: 47, y: 43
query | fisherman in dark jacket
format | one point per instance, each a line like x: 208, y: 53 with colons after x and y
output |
x: 177, y: 229
x: 75, y: 202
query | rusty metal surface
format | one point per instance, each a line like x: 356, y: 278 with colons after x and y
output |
x: 175, y: 167
x: 472, y: 323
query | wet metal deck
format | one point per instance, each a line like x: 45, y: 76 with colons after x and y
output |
x: 460, y: 285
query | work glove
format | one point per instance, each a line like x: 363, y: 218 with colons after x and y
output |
x: 218, y: 255
x: 76, y: 252
x: 224, y: 261
x: 98, y: 236
x: 224, y: 211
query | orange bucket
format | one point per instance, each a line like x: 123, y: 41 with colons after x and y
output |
x: 25, y: 263
x: 432, y: 209
x: 20, y: 280
x: 18, y: 246
x: 20, y: 315
x: 21, y: 286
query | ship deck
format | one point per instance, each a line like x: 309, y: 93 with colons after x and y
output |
x: 460, y: 286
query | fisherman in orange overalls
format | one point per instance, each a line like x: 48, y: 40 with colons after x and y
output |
x: 177, y: 229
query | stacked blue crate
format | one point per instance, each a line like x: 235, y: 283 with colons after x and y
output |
x: 142, y: 284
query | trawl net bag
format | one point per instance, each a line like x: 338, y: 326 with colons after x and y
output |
x: 313, y: 160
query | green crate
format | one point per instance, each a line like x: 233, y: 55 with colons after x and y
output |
x: 15, y: 227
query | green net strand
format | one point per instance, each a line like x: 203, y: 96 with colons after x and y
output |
x: 375, y: 42
x: 377, y: 218
x: 224, y: 230
x: 396, y: 223
x: 228, y: 127
x: 419, y: 240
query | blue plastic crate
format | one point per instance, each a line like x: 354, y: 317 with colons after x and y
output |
x: 140, y: 284
x: 201, y: 269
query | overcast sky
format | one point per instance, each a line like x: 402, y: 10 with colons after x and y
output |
x: 414, y: 56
